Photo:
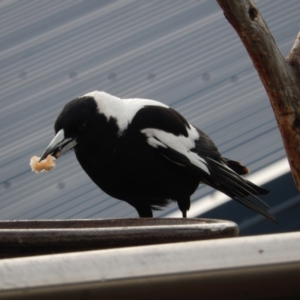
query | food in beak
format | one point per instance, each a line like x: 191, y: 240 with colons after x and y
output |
x: 44, y: 165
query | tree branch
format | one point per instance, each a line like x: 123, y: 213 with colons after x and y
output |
x: 279, y: 76
x: 294, y: 56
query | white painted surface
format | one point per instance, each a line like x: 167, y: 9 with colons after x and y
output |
x: 140, y: 262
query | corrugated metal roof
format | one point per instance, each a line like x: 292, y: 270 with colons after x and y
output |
x: 183, y: 53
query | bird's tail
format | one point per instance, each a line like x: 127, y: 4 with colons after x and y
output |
x: 225, y: 178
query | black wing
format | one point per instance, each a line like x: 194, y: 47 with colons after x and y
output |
x: 187, y: 146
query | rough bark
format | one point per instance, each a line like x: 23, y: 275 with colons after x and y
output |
x: 279, y: 76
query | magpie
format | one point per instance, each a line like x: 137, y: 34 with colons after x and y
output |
x: 145, y: 153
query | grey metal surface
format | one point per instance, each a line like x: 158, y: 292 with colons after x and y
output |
x: 25, y: 238
x: 183, y: 53
x: 259, y: 267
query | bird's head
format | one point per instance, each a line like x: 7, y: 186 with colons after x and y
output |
x: 74, y: 122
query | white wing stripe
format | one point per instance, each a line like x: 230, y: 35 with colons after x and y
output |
x: 179, y: 143
x: 155, y: 142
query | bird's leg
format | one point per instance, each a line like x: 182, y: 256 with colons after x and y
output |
x: 184, y: 206
x: 144, y: 211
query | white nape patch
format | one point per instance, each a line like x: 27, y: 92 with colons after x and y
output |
x: 181, y: 144
x: 123, y: 110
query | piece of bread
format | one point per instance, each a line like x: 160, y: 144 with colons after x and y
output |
x: 42, y: 166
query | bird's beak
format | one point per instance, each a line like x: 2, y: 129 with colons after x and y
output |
x: 59, y: 145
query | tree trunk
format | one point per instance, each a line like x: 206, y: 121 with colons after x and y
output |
x: 279, y: 76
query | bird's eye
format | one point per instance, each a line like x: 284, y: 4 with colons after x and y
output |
x: 81, y: 127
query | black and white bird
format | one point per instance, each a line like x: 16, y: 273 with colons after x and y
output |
x: 147, y: 154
